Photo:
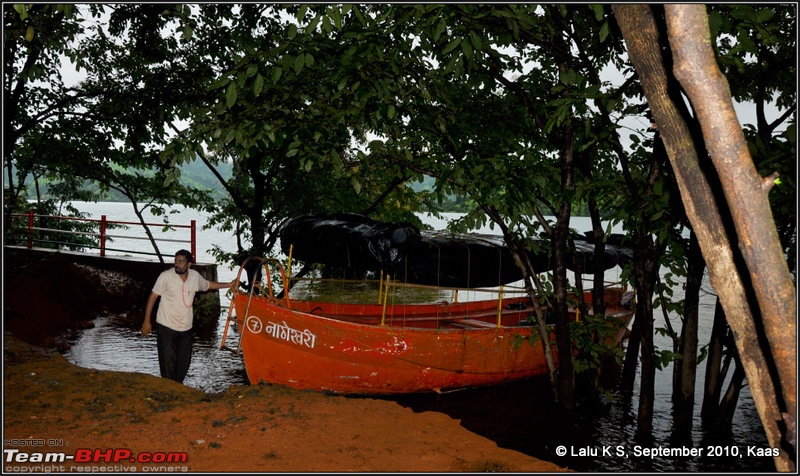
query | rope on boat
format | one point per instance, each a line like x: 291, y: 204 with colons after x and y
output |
x: 380, y: 288
x: 289, y: 262
x: 257, y: 285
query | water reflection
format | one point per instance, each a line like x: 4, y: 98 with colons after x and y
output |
x: 520, y: 416
x: 116, y: 343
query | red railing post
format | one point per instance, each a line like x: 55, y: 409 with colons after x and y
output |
x: 102, y: 235
x: 194, y: 239
x: 30, y: 229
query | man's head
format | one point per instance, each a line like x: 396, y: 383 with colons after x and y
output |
x: 183, y: 261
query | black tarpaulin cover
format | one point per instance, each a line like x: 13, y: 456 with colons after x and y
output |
x: 418, y: 256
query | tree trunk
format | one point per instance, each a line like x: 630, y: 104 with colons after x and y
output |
x: 714, y: 379
x: 632, y: 352
x: 598, y: 235
x: 521, y: 258
x: 727, y: 407
x: 644, y: 48
x: 683, y: 398
x: 139, y: 214
x: 746, y: 192
x: 566, y: 371
x: 646, y: 260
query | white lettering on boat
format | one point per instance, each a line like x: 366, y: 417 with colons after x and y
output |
x: 282, y: 331
x: 254, y: 324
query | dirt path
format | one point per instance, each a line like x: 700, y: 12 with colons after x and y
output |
x: 55, y: 406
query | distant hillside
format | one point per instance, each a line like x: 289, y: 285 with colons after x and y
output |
x: 197, y: 175
x: 194, y: 174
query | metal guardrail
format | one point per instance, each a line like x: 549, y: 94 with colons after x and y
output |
x: 102, y: 233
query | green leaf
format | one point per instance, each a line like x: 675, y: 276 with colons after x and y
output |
x: 604, y: 31
x: 309, y: 61
x: 476, y: 40
x: 23, y: 12
x: 441, y: 27
x: 467, y: 49
x: 764, y: 15
x: 337, y: 17
x: 301, y: 13
x: 598, y: 11
x: 451, y: 46
x: 326, y: 24
x: 276, y: 74
x: 362, y: 20
x: 258, y: 85
x: 230, y: 95
x: 219, y: 83
x: 299, y: 63
x: 313, y: 25
x: 714, y: 22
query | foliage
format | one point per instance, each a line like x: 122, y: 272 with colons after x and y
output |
x: 591, y: 334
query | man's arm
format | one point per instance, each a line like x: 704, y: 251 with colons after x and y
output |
x: 148, y: 310
x: 212, y: 285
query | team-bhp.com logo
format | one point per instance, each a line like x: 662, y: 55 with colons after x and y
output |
x: 93, y: 456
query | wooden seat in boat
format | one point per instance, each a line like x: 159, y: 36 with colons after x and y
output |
x: 473, y: 323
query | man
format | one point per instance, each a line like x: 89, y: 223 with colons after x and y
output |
x: 177, y: 288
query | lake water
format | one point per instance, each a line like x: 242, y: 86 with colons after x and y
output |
x: 513, y: 415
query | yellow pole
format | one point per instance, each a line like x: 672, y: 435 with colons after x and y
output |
x: 577, y: 313
x: 500, y: 307
x: 380, y: 289
x: 385, y: 296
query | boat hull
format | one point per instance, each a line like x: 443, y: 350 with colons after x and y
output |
x: 327, y: 355
x: 345, y: 355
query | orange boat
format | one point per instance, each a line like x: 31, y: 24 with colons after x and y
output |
x: 396, y: 344
x: 393, y: 348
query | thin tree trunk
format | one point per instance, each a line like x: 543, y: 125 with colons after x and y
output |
x: 714, y: 379
x: 566, y: 371
x: 727, y: 406
x: 646, y: 259
x: 687, y: 367
x: 520, y: 254
x: 632, y: 352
